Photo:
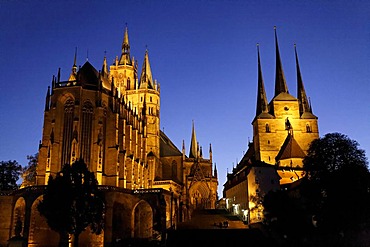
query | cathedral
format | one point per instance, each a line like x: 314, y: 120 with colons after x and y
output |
x: 110, y: 118
x: 282, y: 132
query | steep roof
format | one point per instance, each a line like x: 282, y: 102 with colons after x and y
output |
x: 290, y: 149
x: 88, y: 75
x: 167, y: 148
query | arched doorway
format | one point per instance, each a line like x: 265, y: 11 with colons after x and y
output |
x: 19, y: 212
x: 142, y: 220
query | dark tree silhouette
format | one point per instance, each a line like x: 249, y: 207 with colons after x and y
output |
x: 9, y: 174
x: 29, y: 171
x: 338, y: 183
x: 72, y: 202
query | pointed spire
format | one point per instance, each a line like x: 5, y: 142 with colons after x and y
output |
x: 73, y: 75
x: 58, y: 75
x: 146, y: 79
x: 304, y: 105
x: 280, y: 82
x: 215, y: 171
x: 47, y: 101
x: 193, y: 144
x: 125, y: 56
x: 262, y: 105
x: 104, y: 69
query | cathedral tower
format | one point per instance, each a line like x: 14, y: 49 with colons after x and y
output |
x: 105, y: 117
x: 284, y: 128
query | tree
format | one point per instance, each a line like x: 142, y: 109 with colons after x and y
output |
x: 29, y: 171
x: 286, y: 215
x: 338, y: 183
x: 9, y: 174
x: 72, y: 202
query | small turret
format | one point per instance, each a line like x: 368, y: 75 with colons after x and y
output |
x: 183, y: 149
x: 146, y: 78
x: 47, y: 101
x: 215, y: 172
x: 125, y: 56
x: 73, y: 75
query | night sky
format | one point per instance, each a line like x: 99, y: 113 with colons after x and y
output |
x: 203, y: 54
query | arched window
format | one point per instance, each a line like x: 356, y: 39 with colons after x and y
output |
x: 67, y: 131
x: 86, y: 127
x: 267, y: 128
x: 174, y: 169
x: 128, y: 84
x: 308, y: 128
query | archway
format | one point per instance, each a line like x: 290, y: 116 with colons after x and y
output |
x: 40, y: 234
x: 19, y: 212
x: 142, y: 220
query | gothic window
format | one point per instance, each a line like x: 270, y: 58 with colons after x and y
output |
x: 174, y: 169
x: 86, y: 128
x: 67, y: 130
x: 267, y: 128
x: 308, y: 128
x: 151, y: 99
x: 128, y: 84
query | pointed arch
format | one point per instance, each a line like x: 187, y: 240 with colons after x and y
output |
x: 142, y: 220
x: 67, y: 130
x: 86, y: 129
x: 19, y: 212
x: 200, y: 195
x: 40, y: 234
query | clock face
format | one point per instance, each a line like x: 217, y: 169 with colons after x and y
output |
x: 120, y: 76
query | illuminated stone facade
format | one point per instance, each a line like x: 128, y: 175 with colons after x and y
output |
x: 282, y: 132
x: 111, y: 119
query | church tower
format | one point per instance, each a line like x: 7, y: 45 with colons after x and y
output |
x: 142, y: 95
x: 284, y: 128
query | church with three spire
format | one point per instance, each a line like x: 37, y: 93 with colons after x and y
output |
x: 282, y: 132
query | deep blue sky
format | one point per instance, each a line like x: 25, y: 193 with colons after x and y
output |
x: 203, y: 54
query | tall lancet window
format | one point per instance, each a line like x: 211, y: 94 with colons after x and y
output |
x: 128, y: 84
x: 86, y: 127
x: 67, y: 131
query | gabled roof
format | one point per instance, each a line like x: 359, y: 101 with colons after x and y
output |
x: 283, y: 96
x: 167, y: 148
x: 88, y: 75
x: 290, y: 149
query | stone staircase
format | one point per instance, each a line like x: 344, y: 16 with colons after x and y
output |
x: 211, y: 219
x: 203, y: 230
